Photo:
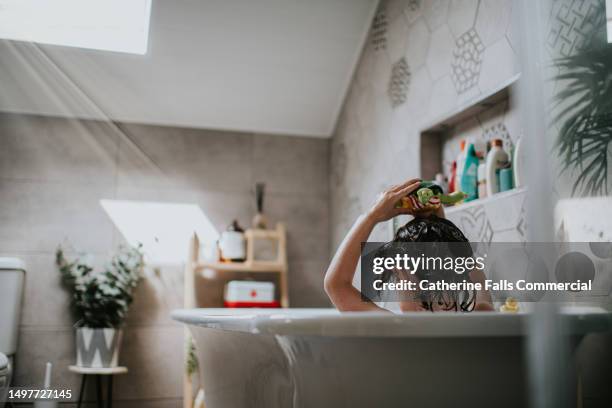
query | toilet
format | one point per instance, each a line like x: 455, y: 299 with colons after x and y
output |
x: 12, y: 277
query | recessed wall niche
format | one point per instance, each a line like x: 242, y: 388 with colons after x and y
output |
x: 490, y: 116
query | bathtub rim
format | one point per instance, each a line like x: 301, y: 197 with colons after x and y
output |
x: 329, y: 322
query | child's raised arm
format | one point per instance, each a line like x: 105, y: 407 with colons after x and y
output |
x: 339, y: 276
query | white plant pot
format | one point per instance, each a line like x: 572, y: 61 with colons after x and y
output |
x: 98, y: 348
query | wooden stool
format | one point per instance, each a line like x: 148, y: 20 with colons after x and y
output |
x: 98, y: 373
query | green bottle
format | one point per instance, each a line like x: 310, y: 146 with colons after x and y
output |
x: 469, y: 177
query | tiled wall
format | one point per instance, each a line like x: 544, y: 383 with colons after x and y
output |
x: 53, y: 172
x: 424, y: 59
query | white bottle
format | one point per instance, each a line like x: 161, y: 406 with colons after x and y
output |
x: 518, y: 164
x: 482, y: 180
x: 497, y: 159
x: 460, y: 165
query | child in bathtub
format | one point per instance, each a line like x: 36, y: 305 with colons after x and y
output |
x: 427, y: 226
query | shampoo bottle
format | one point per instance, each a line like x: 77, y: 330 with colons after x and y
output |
x: 453, y: 178
x: 469, y: 177
x: 482, y: 181
x: 497, y: 159
x: 517, y: 164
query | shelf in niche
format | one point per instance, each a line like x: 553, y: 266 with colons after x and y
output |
x: 433, y: 134
x: 487, y: 200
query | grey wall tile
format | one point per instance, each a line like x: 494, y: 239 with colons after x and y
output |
x: 307, y: 220
x: 306, y: 284
x: 38, y: 216
x: 155, y: 156
x: 52, y: 149
x: 291, y: 165
x: 154, y: 358
x: 36, y: 348
x: 46, y: 302
x: 159, y: 293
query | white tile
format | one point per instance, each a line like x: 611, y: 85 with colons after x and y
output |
x: 419, y: 94
x: 363, y: 73
x: 381, y: 74
x: 498, y: 66
x: 505, y: 214
x: 512, y: 32
x: 440, y: 53
x: 397, y: 38
x: 443, y: 98
x: 461, y: 16
x: 413, y: 10
x: 493, y: 20
x: 364, y: 106
x: 417, y: 44
x: 395, y: 9
x: 401, y: 121
x: 435, y: 13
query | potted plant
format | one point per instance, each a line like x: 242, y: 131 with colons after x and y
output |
x: 100, y: 301
x: 585, y: 134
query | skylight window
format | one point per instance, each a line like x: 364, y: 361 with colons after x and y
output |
x: 111, y: 25
x: 164, y: 229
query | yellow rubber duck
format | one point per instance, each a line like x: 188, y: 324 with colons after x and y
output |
x: 511, y: 306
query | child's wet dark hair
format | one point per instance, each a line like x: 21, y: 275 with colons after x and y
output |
x: 434, y: 229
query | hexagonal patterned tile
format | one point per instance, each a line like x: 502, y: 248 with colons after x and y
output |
x: 399, y: 82
x: 499, y: 131
x: 461, y: 16
x: 467, y: 61
x: 378, y: 32
x: 440, y: 53
x: 418, y: 43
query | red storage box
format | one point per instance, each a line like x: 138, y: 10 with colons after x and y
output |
x: 250, y: 294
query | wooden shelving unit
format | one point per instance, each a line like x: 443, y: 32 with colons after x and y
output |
x: 196, y: 266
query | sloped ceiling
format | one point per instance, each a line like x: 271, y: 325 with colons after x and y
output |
x: 273, y: 66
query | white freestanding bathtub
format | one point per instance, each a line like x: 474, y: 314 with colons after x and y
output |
x: 322, y: 358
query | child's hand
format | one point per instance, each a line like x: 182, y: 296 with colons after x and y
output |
x: 384, y: 207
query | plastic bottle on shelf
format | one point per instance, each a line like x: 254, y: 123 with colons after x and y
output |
x: 441, y: 181
x: 482, y: 180
x: 505, y: 179
x: 453, y: 178
x: 460, y: 165
x: 469, y: 176
x: 481, y: 148
x: 497, y: 159
x: 518, y: 163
